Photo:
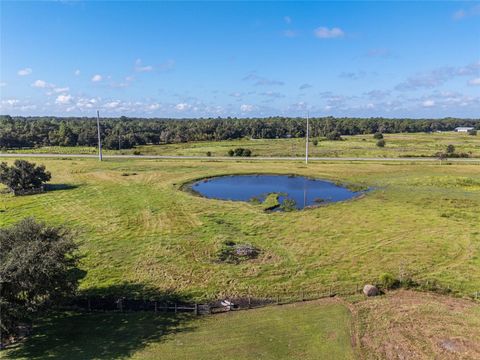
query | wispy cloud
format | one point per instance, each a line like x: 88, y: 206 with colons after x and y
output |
x: 97, y: 78
x: 379, y: 52
x: 261, y: 81
x: 290, y: 33
x: 24, y: 72
x: 287, y: 19
x: 77, y: 72
x: 475, y: 81
x: 438, y: 76
x: 326, y: 33
x: 139, y: 67
x: 41, y: 84
x: 462, y: 13
x: 305, y: 86
x: 428, y: 103
x: 247, y: 108
x: 63, y: 99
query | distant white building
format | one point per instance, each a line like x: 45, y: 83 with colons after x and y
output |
x: 463, y: 129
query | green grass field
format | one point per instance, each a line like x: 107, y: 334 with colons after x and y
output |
x: 302, y: 331
x: 141, y: 234
x: 398, y: 145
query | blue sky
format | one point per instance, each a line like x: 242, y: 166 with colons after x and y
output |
x: 202, y: 59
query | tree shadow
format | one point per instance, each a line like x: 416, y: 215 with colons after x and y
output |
x: 56, y: 187
x: 102, y: 335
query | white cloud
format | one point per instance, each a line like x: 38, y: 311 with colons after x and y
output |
x: 246, y: 107
x: 475, y: 81
x: 182, y: 106
x: 428, y: 103
x: 41, y: 84
x: 97, y: 78
x: 24, y: 72
x: 153, y: 107
x: 287, y: 19
x: 61, y: 90
x: 142, y: 68
x: 326, y: 33
x: 63, y: 99
x: 11, y: 102
x: 77, y: 72
x: 112, y: 104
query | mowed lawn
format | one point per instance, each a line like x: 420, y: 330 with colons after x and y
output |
x: 314, y: 330
x: 397, y: 145
x: 140, y: 234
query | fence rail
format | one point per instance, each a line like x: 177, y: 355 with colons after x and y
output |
x: 238, y: 302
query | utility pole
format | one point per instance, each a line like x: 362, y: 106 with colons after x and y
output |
x: 99, y: 137
x: 306, y: 142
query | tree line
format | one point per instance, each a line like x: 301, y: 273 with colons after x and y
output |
x: 125, y: 132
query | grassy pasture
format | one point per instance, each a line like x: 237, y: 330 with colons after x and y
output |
x: 302, y: 331
x: 398, y: 145
x: 141, y: 229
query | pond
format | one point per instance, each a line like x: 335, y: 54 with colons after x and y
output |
x: 296, y: 191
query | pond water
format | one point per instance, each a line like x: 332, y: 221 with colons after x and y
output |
x: 302, y: 190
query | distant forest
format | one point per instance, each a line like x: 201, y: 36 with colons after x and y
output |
x: 123, y: 132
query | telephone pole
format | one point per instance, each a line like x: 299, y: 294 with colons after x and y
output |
x: 306, y: 142
x: 99, y: 137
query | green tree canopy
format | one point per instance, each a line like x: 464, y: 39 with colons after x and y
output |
x: 38, y: 266
x: 23, y: 176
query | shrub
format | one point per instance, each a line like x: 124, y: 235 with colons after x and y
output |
x: 288, y: 205
x: 378, y: 135
x: 388, y: 281
x: 450, y: 149
x: 315, y: 142
x: 381, y: 143
x: 23, y: 176
x: 472, y: 132
x: 334, y: 136
x: 240, y: 152
x: 209, y: 153
x: 38, y: 266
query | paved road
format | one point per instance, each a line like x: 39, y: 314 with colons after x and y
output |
x: 254, y: 158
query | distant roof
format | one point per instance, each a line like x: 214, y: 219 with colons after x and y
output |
x: 464, y: 128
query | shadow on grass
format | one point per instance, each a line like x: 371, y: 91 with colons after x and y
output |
x: 100, y: 335
x: 55, y: 187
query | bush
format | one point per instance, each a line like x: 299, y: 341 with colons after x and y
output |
x: 315, y: 142
x: 334, y: 136
x: 288, y: 205
x: 38, y: 267
x: 381, y: 143
x: 209, y: 153
x: 388, y: 281
x: 472, y: 132
x: 23, y: 176
x: 450, y: 149
x: 240, y: 152
x: 378, y: 135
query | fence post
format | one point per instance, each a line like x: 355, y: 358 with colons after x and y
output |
x: 175, y: 308
x: 249, y: 302
x: 278, y: 299
x: 196, y: 309
x: 156, y: 307
x: 330, y: 291
x: 303, y: 295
